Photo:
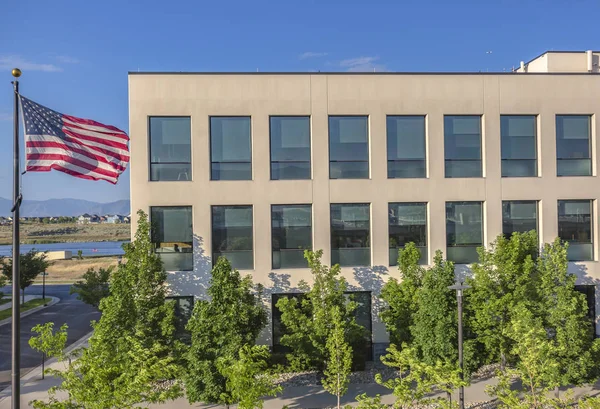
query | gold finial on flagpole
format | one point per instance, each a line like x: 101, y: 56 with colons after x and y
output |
x: 16, y: 72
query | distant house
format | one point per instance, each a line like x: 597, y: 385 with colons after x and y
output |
x: 102, y: 219
x: 127, y: 219
x: 113, y: 218
x: 88, y: 218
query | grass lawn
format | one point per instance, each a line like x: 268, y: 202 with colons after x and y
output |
x: 24, y: 307
x: 4, y: 300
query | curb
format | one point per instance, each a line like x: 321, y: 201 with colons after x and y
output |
x: 53, y: 301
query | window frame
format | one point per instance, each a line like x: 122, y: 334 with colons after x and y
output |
x: 309, y: 117
x: 423, y: 160
x: 210, y: 146
x: 481, y: 153
x: 423, y: 249
x: 591, y: 241
x: 537, y: 213
x: 535, y: 148
x: 590, y: 157
x: 482, y: 230
x: 212, y: 236
x: 152, y: 232
x: 369, y: 234
x: 310, y: 206
x: 368, y: 143
x: 150, y: 162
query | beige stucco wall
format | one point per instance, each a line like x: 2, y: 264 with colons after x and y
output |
x: 375, y: 95
x: 562, y: 62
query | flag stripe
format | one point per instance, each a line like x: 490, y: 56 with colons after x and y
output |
x: 58, y: 153
x: 89, y: 122
x: 110, y: 157
x: 98, y: 134
x: 42, y: 145
x: 67, y: 167
x: 78, y: 135
x: 58, y: 158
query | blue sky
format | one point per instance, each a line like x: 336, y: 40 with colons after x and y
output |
x: 75, y: 55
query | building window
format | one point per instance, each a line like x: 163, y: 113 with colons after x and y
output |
x: 406, y: 146
x: 172, y: 236
x: 170, y: 148
x: 518, y: 217
x: 462, y: 146
x: 232, y: 235
x: 230, y: 148
x: 291, y: 234
x: 519, y: 147
x: 575, y: 227
x: 350, y: 231
x: 184, y: 305
x: 348, y: 147
x: 464, y: 231
x: 573, y: 145
x: 290, y: 147
x: 589, y: 291
x: 407, y: 223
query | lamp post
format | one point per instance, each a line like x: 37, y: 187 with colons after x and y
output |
x: 459, y: 287
x: 44, y: 274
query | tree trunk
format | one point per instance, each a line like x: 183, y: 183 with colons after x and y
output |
x: 449, y: 396
x: 338, y: 399
x: 556, y: 392
x: 502, y: 361
x: 23, y: 302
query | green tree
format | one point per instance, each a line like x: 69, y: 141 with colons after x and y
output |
x: 401, y: 297
x: 80, y: 254
x: 417, y: 379
x: 49, y: 342
x: 132, y: 347
x: 31, y: 264
x: 339, y: 359
x: 504, y: 277
x: 247, y: 382
x: 537, y: 368
x: 435, y: 322
x: 564, y: 312
x: 231, y: 318
x: 93, y: 287
x: 3, y: 279
x: 308, y: 319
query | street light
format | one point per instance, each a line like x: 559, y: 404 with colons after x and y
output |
x: 44, y: 274
x: 459, y: 287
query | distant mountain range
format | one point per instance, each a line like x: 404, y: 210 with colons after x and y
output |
x: 65, y: 207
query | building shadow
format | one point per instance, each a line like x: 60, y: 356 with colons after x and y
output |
x: 193, y: 282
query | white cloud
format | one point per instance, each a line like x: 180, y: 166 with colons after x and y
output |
x: 311, y: 54
x: 363, y: 64
x: 13, y: 61
x: 67, y: 60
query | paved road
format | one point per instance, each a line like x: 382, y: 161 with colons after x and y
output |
x: 75, y: 313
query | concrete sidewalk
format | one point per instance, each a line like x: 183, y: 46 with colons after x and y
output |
x: 32, y: 387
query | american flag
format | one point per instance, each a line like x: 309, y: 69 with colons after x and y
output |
x: 80, y: 147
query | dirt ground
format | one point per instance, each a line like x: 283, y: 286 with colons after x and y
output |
x: 39, y: 233
x: 72, y: 270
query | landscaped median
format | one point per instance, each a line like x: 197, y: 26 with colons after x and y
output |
x: 25, y: 307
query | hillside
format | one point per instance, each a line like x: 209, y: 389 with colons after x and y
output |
x: 64, y: 207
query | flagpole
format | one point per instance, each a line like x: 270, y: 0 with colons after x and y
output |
x: 16, y: 316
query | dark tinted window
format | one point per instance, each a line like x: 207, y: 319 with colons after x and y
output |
x: 230, y: 148
x: 172, y: 236
x: 462, y: 146
x: 350, y: 230
x: 575, y: 227
x: 518, y: 216
x: 464, y: 231
x: 291, y: 235
x: 406, y: 146
x: 170, y: 148
x: 290, y: 147
x: 407, y: 223
x: 573, y: 145
x: 232, y: 235
x: 519, y: 149
x: 348, y: 147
